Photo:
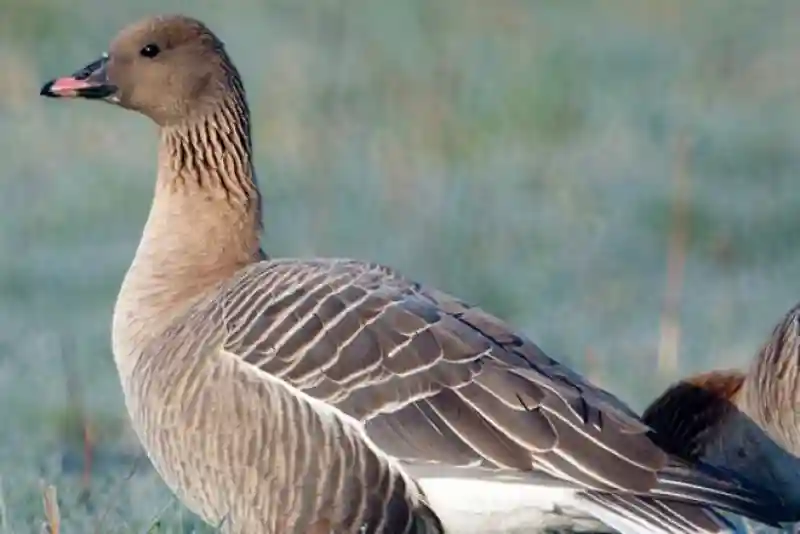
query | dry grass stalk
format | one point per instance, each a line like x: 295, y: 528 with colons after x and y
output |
x: 591, y: 366
x: 670, y: 328
x: 52, y: 514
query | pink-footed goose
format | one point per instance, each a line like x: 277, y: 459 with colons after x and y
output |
x: 747, y: 422
x: 282, y: 396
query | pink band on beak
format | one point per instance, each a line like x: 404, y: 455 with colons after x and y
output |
x: 67, y: 86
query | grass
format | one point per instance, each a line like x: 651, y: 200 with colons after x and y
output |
x: 519, y: 154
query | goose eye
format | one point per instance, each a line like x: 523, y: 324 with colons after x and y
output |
x: 150, y: 51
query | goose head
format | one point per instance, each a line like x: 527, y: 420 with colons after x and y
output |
x: 170, y: 68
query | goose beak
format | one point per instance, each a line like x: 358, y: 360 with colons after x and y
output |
x: 90, y: 82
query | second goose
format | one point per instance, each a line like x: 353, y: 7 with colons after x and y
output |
x: 744, y: 421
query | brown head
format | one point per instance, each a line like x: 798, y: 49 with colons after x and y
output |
x: 170, y: 68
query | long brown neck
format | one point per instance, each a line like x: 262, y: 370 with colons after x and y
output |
x: 204, y: 223
x: 771, y: 391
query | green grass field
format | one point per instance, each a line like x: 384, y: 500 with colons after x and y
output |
x: 532, y: 157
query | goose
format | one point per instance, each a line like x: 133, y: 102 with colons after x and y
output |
x: 745, y: 421
x: 289, y: 396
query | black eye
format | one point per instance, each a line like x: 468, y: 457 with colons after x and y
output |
x: 150, y: 50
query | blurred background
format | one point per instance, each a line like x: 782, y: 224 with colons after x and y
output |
x: 618, y: 179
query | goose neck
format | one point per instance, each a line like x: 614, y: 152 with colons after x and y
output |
x: 771, y: 392
x: 204, y: 222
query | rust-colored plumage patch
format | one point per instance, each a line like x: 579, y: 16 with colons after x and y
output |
x: 689, y: 413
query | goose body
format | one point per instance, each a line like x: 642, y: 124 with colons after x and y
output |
x: 744, y: 421
x: 288, y: 396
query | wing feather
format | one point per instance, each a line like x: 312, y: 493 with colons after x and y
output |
x: 434, y: 379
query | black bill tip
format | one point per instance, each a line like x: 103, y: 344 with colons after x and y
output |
x: 47, y: 90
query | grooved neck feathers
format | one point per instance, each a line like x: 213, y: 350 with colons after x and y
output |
x: 204, y: 222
